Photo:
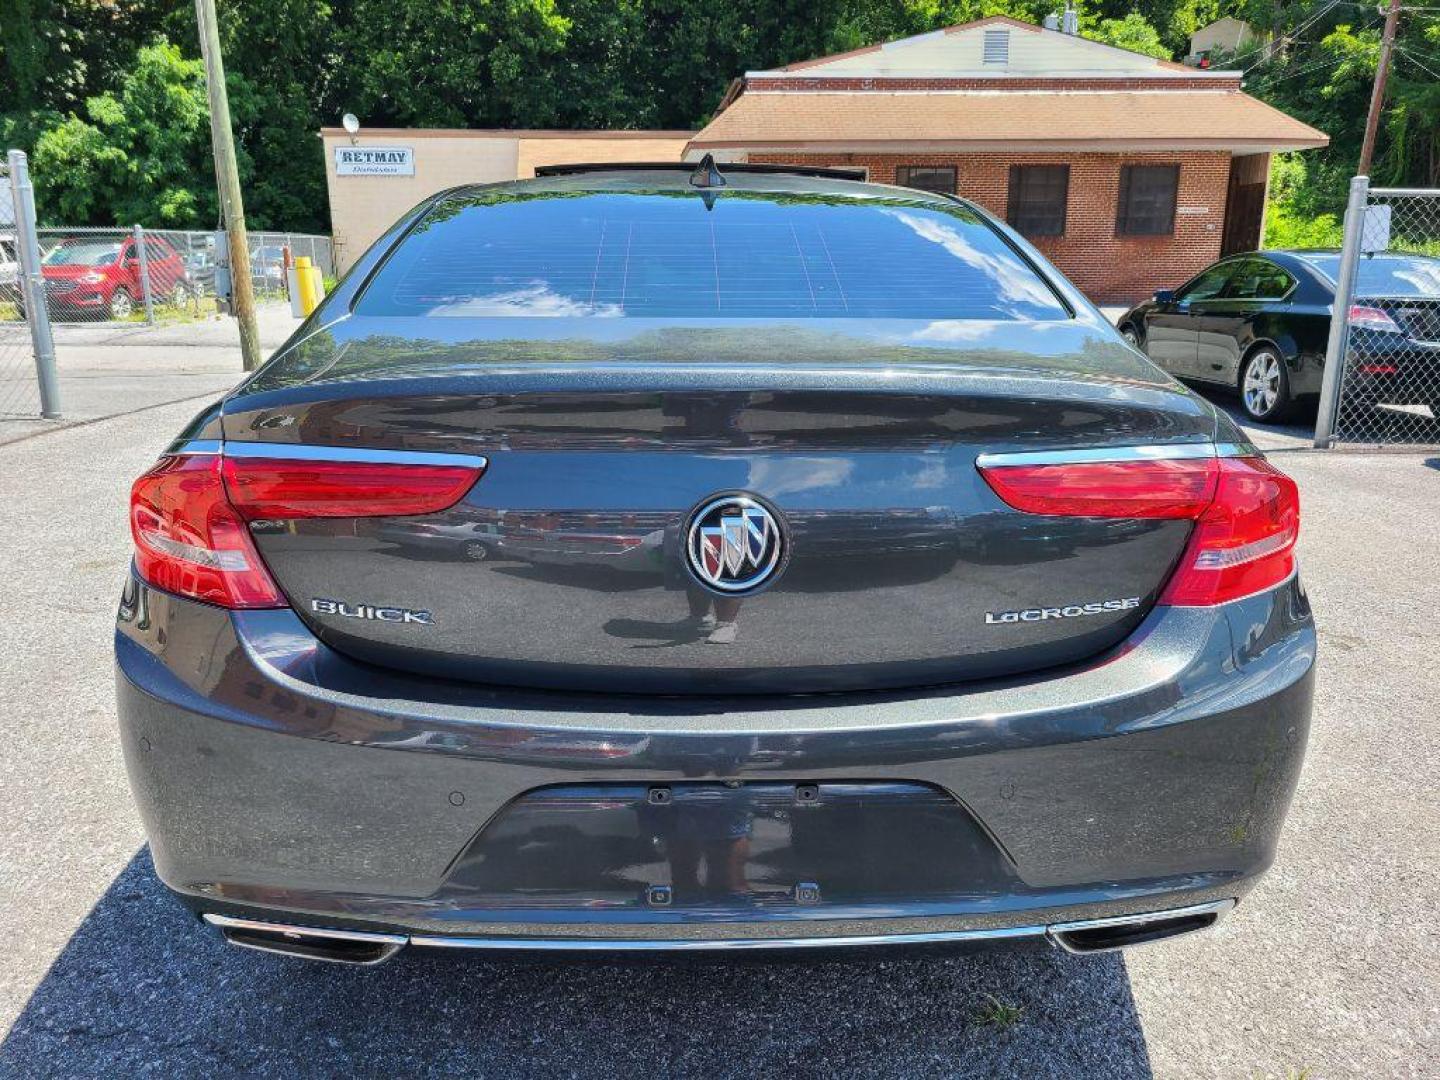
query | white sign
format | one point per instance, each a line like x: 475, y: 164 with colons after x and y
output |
x: 1192, y: 209
x: 1375, y: 229
x: 374, y: 161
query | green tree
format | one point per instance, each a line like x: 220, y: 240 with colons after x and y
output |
x: 1132, y: 32
x: 141, y: 154
x: 116, y: 118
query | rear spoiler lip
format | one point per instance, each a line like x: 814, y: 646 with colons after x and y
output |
x: 822, y: 172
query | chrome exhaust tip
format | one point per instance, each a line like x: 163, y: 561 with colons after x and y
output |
x: 358, y: 947
x: 1125, y: 931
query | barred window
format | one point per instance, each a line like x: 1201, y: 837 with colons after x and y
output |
x: 1147, y: 200
x: 1038, y: 194
x: 937, y: 178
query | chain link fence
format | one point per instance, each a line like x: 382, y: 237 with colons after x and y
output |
x: 19, y: 396
x: 28, y: 387
x: 138, y: 274
x: 1386, y: 390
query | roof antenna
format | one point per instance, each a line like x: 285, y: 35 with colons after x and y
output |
x: 706, y: 175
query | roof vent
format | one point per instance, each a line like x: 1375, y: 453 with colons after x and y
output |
x: 997, y: 46
x: 1070, y: 21
x: 1052, y: 21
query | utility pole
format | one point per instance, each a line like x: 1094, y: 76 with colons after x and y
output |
x: 1377, y: 95
x: 227, y: 182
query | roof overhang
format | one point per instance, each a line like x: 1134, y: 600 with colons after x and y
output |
x: 499, y: 133
x: 696, y: 148
x: 1079, y: 119
x: 1159, y: 75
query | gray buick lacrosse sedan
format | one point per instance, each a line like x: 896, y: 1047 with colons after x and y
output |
x: 655, y: 558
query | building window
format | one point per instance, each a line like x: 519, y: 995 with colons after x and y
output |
x: 1147, y: 200
x: 1037, y: 199
x: 997, y: 47
x: 936, y: 178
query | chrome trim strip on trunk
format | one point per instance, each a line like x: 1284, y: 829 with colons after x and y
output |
x: 194, y: 448
x: 1105, y: 454
x: 306, y: 452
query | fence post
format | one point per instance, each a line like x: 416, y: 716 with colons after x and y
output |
x: 145, y: 292
x: 1336, y: 348
x: 33, y: 284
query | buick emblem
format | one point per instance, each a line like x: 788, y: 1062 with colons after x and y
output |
x: 734, y: 544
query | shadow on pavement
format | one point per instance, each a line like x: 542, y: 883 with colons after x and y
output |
x: 141, y: 988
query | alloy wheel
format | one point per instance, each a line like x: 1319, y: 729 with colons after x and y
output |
x: 121, y: 305
x: 1262, y: 387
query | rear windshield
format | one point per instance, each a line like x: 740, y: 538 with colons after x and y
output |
x: 667, y: 254
x: 1389, y: 276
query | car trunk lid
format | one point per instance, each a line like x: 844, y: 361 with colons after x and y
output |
x: 566, y: 563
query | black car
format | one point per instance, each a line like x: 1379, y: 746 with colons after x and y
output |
x: 1259, y: 324
x: 853, y: 582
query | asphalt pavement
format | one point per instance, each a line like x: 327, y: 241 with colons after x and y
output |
x: 113, y: 369
x: 1329, y: 969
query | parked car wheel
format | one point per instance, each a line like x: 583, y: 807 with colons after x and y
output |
x: 1131, y: 337
x: 122, y: 305
x: 181, y: 294
x: 1265, y: 387
x: 475, y: 551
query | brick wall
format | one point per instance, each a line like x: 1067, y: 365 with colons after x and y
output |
x: 1109, y: 269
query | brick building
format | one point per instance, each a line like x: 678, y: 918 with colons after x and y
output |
x: 1130, y: 173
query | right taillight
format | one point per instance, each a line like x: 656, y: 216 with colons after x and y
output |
x: 1246, y: 513
x: 1244, y: 541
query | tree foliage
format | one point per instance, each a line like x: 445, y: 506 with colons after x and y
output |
x: 108, y: 96
x: 1133, y: 33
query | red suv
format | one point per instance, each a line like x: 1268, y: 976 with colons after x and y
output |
x: 94, y: 278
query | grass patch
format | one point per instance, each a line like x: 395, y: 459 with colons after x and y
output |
x: 996, y: 1013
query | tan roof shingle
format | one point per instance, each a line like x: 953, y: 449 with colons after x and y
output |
x: 1164, y: 118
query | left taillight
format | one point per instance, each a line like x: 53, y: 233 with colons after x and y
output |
x: 1372, y: 318
x: 189, y: 539
x: 270, y: 488
x: 190, y: 514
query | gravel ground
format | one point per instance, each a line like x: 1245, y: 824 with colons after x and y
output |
x: 1332, y: 966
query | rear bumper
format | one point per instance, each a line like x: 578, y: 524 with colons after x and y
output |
x: 1393, y: 369
x: 280, y: 781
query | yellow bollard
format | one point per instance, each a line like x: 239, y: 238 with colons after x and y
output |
x: 312, y: 288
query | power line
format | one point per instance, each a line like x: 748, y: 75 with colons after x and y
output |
x: 1290, y: 37
x: 1317, y: 65
x: 1414, y: 60
x: 1308, y: 68
x: 1417, y: 55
